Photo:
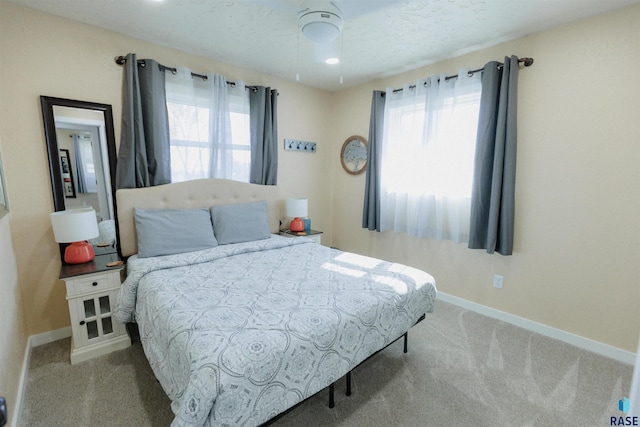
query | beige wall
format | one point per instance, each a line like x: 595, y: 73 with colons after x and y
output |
x: 57, y: 57
x: 13, y: 332
x: 576, y: 261
x: 576, y: 264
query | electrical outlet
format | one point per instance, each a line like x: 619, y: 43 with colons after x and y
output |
x: 497, y: 281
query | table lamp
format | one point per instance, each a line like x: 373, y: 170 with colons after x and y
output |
x: 76, y: 226
x: 297, y: 209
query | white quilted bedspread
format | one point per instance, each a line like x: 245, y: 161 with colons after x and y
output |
x: 239, y: 333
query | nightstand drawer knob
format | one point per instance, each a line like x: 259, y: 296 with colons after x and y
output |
x: 94, y: 284
x: 81, y: 322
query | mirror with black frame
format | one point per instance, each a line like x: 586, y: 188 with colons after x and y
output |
x: 82, y: 159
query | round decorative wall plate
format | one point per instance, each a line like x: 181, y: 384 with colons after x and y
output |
x: 354, y: 155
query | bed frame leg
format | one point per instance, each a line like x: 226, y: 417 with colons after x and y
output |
x: 406, y: 341
x: 349, y: 383
x: 331, y: 402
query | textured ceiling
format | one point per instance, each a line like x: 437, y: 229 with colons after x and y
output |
x: 380, y: 37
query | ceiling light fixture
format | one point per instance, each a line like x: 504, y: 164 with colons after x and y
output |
x: 321, y: 26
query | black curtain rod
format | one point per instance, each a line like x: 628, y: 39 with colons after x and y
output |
x: 120, y: 60
x: 527, y: 62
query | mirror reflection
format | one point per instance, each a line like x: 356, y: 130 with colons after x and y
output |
x: 84, y: 162
x: 81, y: 147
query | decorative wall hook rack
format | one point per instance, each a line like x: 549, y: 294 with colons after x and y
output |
x: 299, y: 145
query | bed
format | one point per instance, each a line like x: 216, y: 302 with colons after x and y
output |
x: 242, y: 331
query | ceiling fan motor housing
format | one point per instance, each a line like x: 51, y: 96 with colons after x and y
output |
x: 321, y: 26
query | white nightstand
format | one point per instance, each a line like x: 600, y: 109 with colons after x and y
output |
x: 91, y: 293
x: 314, y: 235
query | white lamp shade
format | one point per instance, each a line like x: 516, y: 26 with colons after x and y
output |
x: 74, y: 225
x: 297, y: 207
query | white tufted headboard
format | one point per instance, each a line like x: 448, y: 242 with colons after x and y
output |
x: 201, y: 193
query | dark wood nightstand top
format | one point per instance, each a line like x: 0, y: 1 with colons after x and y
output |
x: 98, y: 265
x: 300, y: 233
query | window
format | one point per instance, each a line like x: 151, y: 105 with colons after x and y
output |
x: 85, y: 166
x: 427, y: 157
x: 209, y: 128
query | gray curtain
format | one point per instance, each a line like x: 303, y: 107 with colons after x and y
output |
x: 144, y: 154
x: 371, y: 209
x: 493, y: 193
x: 263, y: 103
x: 82, y: 182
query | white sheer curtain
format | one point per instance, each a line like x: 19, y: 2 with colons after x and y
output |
x: 85, y: 166
x: 200, y: 125
x: 81, y: 182
x: 427, y: 157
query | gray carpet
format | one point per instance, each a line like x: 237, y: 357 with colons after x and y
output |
x: 462, y: 369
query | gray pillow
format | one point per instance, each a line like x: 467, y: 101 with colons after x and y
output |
x: 173, y: 231
x: 241, y: 222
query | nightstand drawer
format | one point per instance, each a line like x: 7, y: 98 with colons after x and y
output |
x: 93, y: 283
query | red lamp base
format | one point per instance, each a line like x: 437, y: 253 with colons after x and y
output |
x: 297, y: 224
x: 79, y: 252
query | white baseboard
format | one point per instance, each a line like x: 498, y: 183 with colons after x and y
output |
x: 51, y: 336
x: 573, y: 339
x: 33, y: 341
